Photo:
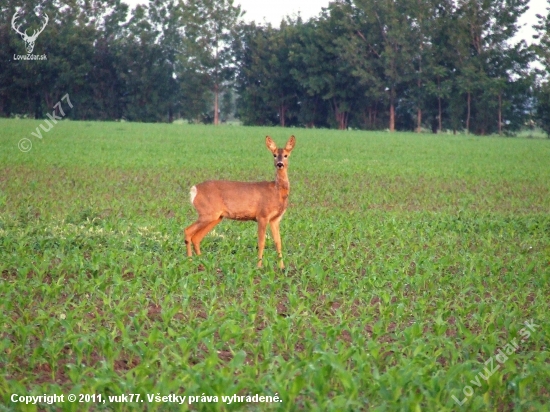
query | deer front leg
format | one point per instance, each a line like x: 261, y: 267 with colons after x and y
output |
x: 274, y: 225
x: 262, y: 225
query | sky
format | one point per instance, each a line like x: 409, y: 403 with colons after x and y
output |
x: 274, y: 11
x: 529, y: 18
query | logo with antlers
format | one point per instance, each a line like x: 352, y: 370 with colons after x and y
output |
x: 29, y: 40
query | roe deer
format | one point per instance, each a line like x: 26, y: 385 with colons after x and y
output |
x: 264, y: 202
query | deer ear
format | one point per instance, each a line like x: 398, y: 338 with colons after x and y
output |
x: 270, y: 144
x: 290, y: 144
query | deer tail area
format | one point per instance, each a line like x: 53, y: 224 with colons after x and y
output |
x: 192, y: 194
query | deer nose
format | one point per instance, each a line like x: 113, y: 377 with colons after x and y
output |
x: 280, y: 165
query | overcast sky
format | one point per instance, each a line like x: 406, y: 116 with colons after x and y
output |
x: 274, y: 11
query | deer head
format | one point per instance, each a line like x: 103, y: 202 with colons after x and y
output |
x: 29, y: 40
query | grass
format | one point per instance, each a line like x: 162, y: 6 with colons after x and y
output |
x: 411, y: 260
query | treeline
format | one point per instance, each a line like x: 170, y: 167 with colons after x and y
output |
x: 369, y: 64
x: 158, y: 62
x: 404, y: 65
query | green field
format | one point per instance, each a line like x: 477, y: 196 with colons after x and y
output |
x: 411, y: 261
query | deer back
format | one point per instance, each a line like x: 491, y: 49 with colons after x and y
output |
x: 240, y: 200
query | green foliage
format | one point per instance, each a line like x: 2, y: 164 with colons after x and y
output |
x: 115, y: 64
x: 209, y: 28
x: 364, y: 64
x: 411, y: 260
x: 268, y: 93
x: 542, y: 48
x: 320, y: 69
x: 543, y: 107
x: 491, y: 69
x: 392, y: 64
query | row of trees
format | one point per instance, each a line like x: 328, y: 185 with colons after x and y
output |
x: 370, y: 64
x: 390, y: 64
x: 542, y: 90
x: 158, y: 62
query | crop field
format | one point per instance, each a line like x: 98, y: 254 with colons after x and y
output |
x: 417, y: 279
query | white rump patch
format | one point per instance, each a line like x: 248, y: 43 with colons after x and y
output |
x: 193, y: 193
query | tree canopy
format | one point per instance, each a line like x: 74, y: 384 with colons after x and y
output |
x: 369, y: 64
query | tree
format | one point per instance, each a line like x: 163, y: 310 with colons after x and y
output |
x: 385, y: 29
x: 209, y: 32
x: 360, y: 63
x: 282, y: 86
x: 319, y: 66
x: 265, y: 72
x: 543, y: 107
x: 362, y: 50
x: 25, y: 84
x: 252, y: 72
x: 489, y: 61
x: 542, y: 48
x: 439, y: 84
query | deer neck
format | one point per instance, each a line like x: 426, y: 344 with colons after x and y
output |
x: 282, y: 183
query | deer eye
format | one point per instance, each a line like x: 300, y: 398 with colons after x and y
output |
x: 274, y: 155
x: 286, y: 155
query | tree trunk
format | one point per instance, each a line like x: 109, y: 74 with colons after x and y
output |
x: 419, y: 110
x: 37, y: 106
x: 282, y: 114
x: 370, y: 118
x: 342, y: 120
x: 216, y: 104
x: 48, y: 100
x: 468, y: 116
x: 439, y: 104
x: 392, y: 111
x: 392, y: 117
x: 311, y: 124
x: 440, y: 115
x: 341, y: 117
x: 370, y: 125
x: 500, y: 113
x: 346, y: 118
x: 216, y: 83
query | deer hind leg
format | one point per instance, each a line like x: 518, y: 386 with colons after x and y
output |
x: 274, y: 225
x: 201, y: 233
x: 199, y: 229
x: 189, y: 233
x: 193, y: 230
x: 262, y: 225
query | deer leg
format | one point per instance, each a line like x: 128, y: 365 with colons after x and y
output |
x: 189, y: 233
x: 201, y: 233
x: 274, y: 225
x: 262, y: 225
x: 192, y: 230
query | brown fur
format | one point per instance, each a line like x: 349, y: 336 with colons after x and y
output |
x: 264, y: 202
